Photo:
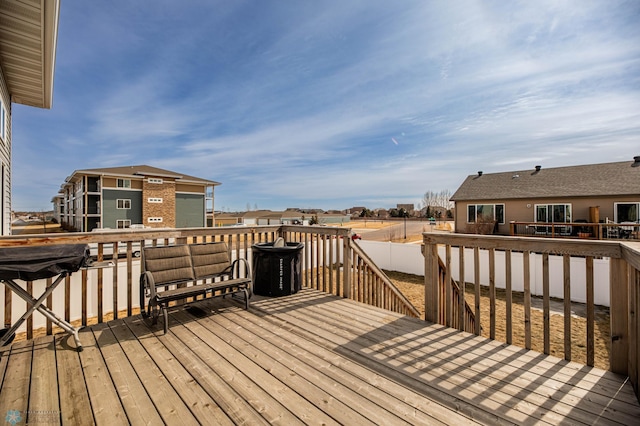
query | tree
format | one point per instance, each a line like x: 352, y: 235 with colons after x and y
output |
x: 366, y: 213
x: 437, y: 202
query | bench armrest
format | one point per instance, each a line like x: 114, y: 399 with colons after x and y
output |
x: 235, y: 268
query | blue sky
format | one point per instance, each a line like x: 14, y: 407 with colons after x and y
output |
x: 332, y: 104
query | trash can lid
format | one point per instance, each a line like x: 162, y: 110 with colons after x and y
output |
x: 271, y: 247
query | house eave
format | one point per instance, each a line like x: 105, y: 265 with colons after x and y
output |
x: 28, y: 43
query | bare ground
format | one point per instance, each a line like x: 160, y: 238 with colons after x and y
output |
x: 412, y: 286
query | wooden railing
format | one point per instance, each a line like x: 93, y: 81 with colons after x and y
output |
x: 454, y: 310
x: 624, y: 271
x: 597, y: 231
x: 330, y: 263
x: 335, y: 264
x: 371, y: 285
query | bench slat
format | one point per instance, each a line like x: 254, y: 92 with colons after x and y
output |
x: 195, y: 290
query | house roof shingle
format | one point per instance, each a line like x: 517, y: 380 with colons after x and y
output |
x: 574, y: 181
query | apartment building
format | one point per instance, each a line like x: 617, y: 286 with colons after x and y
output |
x: 122, y: 197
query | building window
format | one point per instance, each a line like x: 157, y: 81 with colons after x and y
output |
x: 485, y: 213
x: 154, y: 200
x: 627, y: 212
x: 123, y: 204
x: 553, y: 213
x: 124, y: 183
x: 154, y: 180
x: 154, y: 220
x: 123, y: 223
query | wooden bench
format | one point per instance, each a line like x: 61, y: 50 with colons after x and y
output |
x: 171, y: 273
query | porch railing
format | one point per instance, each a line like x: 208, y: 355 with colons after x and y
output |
x: 597, y: 231
x: 624, y: 267
x: 331, y: 262
x: 454, y: 310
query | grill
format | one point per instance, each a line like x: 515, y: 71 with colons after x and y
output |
x: 35, y: 263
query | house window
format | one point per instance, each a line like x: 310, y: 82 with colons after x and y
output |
x: 154, y: 220
x: 154, y: 200
x: 627, y: 212
x: 485, y: 213
x: 123, y: 223
x: 123, y: 204
x: 154, y: 180
x: 553, y: 213
x: 124, y: 183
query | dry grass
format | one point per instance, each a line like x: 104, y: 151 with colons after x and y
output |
x: 370, y: 224
x: 412, y: 286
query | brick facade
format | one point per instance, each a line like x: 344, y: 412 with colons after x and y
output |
x: 166, y: 209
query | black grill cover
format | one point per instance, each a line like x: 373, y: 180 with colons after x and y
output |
x: 34, y: 263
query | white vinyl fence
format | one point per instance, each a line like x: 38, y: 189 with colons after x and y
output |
x: 408, y: 258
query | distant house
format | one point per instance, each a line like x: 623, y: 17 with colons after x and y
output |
x: 261, y: 217
x: 119, y: 197
x: 28, y: 42
x: 287, y: 217
x: 409, y: 208
x: 355, y: 211
x: 591, y: 193
x: 381, y: 213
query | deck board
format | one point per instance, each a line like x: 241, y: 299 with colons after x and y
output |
x: 44, y: 403
x: 202, y: 405
x: 308, y: 358
x: 108, y: 409
x: 136, y: 402
x: 14, y: 394
x: 493, y: 386
x: 74, y: 397
x: 334, y: 374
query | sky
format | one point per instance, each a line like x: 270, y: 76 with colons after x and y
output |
x: 332, y: 104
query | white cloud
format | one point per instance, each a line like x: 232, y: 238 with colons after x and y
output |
x: 299, y: 101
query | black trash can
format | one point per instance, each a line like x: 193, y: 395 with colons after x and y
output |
x: 277, y: 268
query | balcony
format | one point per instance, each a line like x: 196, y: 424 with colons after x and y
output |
x: 584, y: 230
x: 347, y: 349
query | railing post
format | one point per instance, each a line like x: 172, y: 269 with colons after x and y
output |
x: 431, y: 291
x: 346, y: 262
x: 634, y: 345
x: 619, y: 293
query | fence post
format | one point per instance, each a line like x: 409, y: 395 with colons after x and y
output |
x: 619, y: 288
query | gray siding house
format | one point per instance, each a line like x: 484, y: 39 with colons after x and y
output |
x: 28, y: 39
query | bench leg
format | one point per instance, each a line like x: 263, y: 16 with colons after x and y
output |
x: 153, y: 313
x: 145, y: 313
x: 166, y: 319
x: 246, y: 298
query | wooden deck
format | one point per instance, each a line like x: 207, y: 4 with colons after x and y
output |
x: 306, y: 358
